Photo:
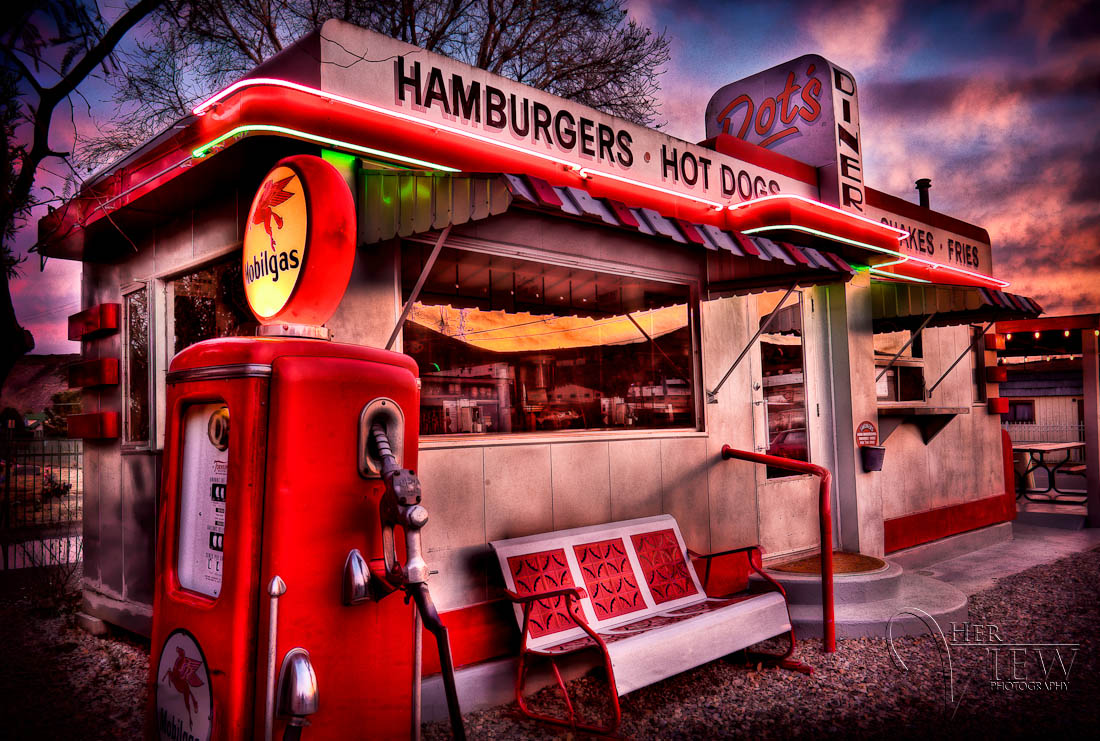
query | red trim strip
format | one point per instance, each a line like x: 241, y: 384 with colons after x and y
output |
x: 101, y: 318
x: 93, y: 426
x: 757, y: 155
x: 933, y: 524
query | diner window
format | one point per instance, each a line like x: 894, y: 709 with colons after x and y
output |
x: 1021, y: 412
x: 510, y: 346
x: 208, y: 303
x: 136, y: 365
x: 783, y: 378
x: 977, y: 357
x: 903, y: 380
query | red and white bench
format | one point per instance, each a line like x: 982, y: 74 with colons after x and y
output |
x: 629, y: 589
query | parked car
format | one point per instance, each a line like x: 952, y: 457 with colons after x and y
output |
x: 790, y: 444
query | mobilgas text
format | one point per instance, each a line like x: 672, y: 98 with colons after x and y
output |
x: 488, y: 105
x: 270, y: 263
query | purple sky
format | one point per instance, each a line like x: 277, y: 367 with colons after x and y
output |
x: 997, y: 102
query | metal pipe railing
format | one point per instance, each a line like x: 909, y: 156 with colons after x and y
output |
x: 824, y: 510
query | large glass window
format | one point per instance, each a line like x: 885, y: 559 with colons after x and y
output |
x: 510, y: 346
x: 782, y: 369
x: 210, y: 303
x: 136, y: 307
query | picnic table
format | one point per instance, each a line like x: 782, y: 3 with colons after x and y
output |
x: 1037, y: 458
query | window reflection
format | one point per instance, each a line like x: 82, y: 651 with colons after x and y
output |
x: 783, y: 380
x: 210, y: 303
x: 137, y: 365
x: 508, y: 346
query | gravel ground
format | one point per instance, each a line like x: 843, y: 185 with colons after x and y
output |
x: 58, y: 681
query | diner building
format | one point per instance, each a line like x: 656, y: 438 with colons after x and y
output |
x: 596, y: 309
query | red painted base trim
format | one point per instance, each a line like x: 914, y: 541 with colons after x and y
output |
x: 933, y: 524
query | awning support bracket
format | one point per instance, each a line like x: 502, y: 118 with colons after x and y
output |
x: 419, y: 285
x: 712, y: 396
x: 912, y: 338
x: 969, y: 347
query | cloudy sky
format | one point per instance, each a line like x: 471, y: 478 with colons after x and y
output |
x: 997, y: 101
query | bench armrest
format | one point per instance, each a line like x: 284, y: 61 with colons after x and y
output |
x: 568, y: 592
x: 708, y: 556
x: 750, y: 550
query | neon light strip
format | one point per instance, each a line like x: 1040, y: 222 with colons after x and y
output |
x: 902, y: 258
x: 201, y: 108
x: 895, y: 276
x: 585, y: 172
x: 582, y: 171
x: 819, y: 233
x: 253, y: 128
x: 901, y: 233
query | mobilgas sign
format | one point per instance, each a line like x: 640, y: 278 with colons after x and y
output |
x: 275, y: 242
x: 299, y: 243
x: 369, y: 67
x: 807, y: 109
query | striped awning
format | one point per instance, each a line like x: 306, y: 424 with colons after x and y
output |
x: 899, y: 306
x: 407, y: 203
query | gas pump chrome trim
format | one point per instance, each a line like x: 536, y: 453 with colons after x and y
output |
x: 275, y: 589
x: 356, y: 579
x: 297, y: 685
x: 221, y: 372
x: 389, y: 413
x: 285, y: 329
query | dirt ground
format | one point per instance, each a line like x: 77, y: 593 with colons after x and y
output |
x: 59, y: 682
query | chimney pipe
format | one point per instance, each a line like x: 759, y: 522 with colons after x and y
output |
x: 923, y: 185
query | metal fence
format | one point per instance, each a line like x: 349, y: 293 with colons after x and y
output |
x: 41, y: 501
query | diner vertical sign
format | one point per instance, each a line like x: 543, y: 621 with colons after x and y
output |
x: 807, y: 109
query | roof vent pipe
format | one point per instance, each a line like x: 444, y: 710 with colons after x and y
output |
x: 923, y: 185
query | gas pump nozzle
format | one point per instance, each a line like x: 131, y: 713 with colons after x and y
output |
x: 400, y: 506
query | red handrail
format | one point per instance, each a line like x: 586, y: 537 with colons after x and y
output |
x: 828, y: 623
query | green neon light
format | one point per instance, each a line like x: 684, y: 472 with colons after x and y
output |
x: 318, y: 139
x: 895, y: 276
x: 826, y: 235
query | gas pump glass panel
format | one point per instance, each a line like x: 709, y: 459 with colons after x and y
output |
x: 208, y: 303
x: 783, y: 379
x: 512, y: 346
x: 205, y: 467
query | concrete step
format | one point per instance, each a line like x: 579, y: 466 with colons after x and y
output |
x: 805, y: 589
x: 943, y: 602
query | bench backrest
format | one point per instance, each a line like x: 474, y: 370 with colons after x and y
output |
x: 628, y: 570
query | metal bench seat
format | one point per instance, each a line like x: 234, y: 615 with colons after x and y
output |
x: 630, y: 591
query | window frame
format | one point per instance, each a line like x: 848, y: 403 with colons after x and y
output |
x: 147, y: 444
x: 531, y: 254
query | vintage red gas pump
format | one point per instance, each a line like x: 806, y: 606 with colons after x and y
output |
x: 290, y: 509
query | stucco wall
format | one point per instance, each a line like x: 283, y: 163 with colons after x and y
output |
x: 963, y: 462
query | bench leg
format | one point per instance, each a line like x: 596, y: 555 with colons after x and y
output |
x: 783, y: 661
x: 572, y: 722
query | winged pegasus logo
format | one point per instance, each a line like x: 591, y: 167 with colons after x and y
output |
x: 274, y: 194
x: 182, y: 677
